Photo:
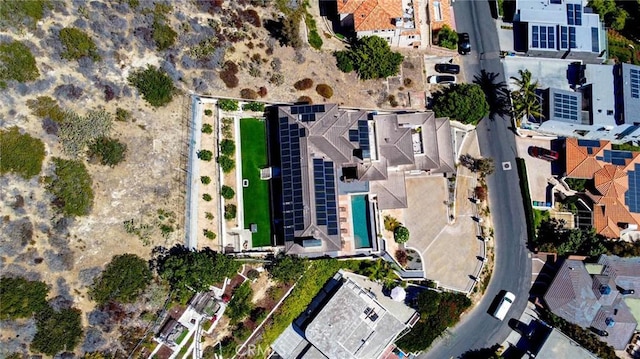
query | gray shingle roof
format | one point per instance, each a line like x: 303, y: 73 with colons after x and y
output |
x: 392, y: 192
x: 394, y: 141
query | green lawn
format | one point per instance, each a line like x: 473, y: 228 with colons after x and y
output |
x: 253, y: 142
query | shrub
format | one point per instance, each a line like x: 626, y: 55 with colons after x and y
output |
x: 163, y: 35
x: 303, y: 84
x: 122, y: 115
x: 324, y: 90
x: 315, y: 40
x: 401, y: 234
x: 205, y: 155
x: 401, y: 257
x: 228, y: 74
x: 46, y: 107
x: 262, y: 91
x: 391, y: 223
x: 123, y: 279
x: 228, y: 105
x: 253, y: 106
x: 21, y: 154
x: 251, y: 16
x: 57, y: 331
x: 205, y: 179
x: 207, y: 128
x: 253, y: 274
x: 344, y: 61
x: 227, y: 147
x: 20, y: 298
x: 407, y: 82
x: 248, y: 94
x: 109, y: 151
x: 16, y: 63
x: 77, y: 132
x: 286, y: 269
x: 77, y: 44
x: 154, y: 84
x: 447, y: 38
x: 480, y: 193
x: 71, y: 187
x: 208, y: 234
x: 227, y: 164
x: 207, y: 197
x: 208, y: 215
x: 305, y: 99
x: 19, y: 13
x: 230, y: 211
x: 208, y: 112
x: 227, y: 192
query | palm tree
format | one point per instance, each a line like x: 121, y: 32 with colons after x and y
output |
x: 496, y: 93
x: 526, y: 102
x: 381, y: 271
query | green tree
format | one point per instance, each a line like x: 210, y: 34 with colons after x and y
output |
x: 390, y: 223
x: 447, y: 38
x: 227, y: 192
x: 207, y: 128
x: 240, y: 305
x: 344, y: 61
x: 230, y: 211
x: 205, y: 155
x: 372, y: 58
x: 188, y: 272
x: 614, y: 16
x: 205, y: 179
x: 77, y: 44
x: 108, y: 150
x: 124, y: 278
x: 154, y: 84
x: 20, y: 153
x: 57, y: 331
x: 227, y: 147
x: 71, y: 187
x: 463, y: 102
x: 315, y: 40
x: 21, y: 298
x: 286, y: 269
x: 16, y: 63
x: 526, y: 103
x: 401, y: 234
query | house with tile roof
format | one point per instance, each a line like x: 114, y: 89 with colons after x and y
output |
x: 596, y: 298
x: 615, y: 194
x: 396, y: 21
x: 601, y: 102
x: 324, y: 156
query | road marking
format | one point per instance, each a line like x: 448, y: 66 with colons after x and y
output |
x: 506, y: 166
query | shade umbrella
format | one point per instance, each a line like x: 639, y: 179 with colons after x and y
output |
x: 398, y: 294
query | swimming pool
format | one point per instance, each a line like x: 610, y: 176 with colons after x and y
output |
x: 360, y: 216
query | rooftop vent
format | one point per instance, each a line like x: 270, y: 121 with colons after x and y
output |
x: 610, y: 322
x: 605, y: 289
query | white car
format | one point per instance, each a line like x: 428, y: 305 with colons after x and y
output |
x: 504, y: 306
x: 442, y: 79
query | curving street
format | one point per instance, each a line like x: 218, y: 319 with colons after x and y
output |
x: 512, y: 270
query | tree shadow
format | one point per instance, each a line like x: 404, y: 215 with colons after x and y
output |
x: 496, y: 93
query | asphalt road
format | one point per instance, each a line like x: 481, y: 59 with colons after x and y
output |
x: 512, y: 271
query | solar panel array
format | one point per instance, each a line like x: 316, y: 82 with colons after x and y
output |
x: 325, y: 191
x: 632, y: 196
x: 361, y: 137
x: 588, y: 143
x: 617, y: 158
x: 543, y: 37
x: 565, y: 106
x: 635, y: 83
x: 307, y: 113
x: 292, y: 203
x: 574, y: 14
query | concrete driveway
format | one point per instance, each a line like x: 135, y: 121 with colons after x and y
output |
x: 449, y: 251
x: 538, y: 170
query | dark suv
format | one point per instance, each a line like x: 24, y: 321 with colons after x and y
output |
x: 448, y: 68
x: 464, y: 44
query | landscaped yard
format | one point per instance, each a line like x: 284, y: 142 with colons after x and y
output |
x: 253, y: 142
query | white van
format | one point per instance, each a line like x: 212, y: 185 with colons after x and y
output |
x: 505, y: 304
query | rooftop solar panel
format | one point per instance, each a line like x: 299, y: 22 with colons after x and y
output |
x: 618, y: 161
x: 634, y: 82
x: 632, y: 196
x: 588, y: 143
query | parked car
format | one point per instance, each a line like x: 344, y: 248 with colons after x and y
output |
x: 505, y: 303
x: 448, y: 68
x: 442, y: 79
x: 464, y: 44
x: 543, y: 153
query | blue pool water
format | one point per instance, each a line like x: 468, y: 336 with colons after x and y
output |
x: 360, y: 215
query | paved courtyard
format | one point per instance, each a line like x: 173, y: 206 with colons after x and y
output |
x: 449, y: 251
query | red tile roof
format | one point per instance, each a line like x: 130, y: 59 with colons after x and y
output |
x: 611, y: 182
x: 369, y: 15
